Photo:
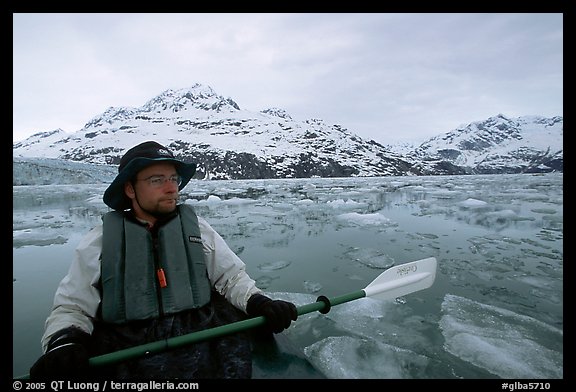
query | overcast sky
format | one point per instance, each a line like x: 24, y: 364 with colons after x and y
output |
x: 388, y: 77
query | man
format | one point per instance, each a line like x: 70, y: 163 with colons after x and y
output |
x: 153, y: 270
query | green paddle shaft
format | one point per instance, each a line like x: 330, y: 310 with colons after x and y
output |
x: 207, y: 334
x: 394, y: 282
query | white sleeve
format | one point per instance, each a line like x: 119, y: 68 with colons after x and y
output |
x: 226, y: 271
x: 77, y: 297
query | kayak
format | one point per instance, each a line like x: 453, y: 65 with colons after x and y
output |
x: 276, y: 357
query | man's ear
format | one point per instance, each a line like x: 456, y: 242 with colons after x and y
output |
x: 129, y: 190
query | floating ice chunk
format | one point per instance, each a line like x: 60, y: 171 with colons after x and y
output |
x: 544, y: 210
x: 370, y: 257
x: 444, y: 194
x: 357, y: 316
x: 213, y: 199
x: 239, y: 200
x: 472, y: 203
x: 507, y: 344
x: 274, y: 266
x: 359, y: 358
x: 37, y: 239
x: 264, y: 282
x: 298, y: 299
x: 304, y: 202
x: 503, y: 214
x: 375, y: 219
x: 340, y: 203
x: 312, y: 287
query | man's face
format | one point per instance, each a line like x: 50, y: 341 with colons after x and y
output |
x: 151, y: 196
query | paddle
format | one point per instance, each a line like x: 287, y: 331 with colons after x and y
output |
x: 394, y: 282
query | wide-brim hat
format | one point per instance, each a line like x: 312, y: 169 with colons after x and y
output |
x: 136, y: 159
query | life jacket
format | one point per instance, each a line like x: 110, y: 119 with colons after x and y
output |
x: 133, y: 271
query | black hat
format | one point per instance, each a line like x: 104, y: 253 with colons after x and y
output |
x: 136, y: 159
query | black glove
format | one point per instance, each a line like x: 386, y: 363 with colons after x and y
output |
x: 66, y: 356
x: 279, y: 314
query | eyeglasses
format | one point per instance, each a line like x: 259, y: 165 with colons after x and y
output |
x: 159, y: 181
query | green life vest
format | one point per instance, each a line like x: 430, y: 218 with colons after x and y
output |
x: 131, y: 286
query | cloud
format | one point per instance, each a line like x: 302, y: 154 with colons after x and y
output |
x: 387, y: 77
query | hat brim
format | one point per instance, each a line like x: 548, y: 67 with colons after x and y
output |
x: 114, y: 196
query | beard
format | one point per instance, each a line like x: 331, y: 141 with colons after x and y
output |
x: 162, y: 211
x: 163, y: 215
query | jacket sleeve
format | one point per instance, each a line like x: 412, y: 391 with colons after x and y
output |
x: 226, y: 271
x: 77, y: 297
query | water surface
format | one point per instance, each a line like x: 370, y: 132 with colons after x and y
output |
x: 495, y: 310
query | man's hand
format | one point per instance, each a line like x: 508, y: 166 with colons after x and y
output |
x: 279, y: 314
x: 66, y: 356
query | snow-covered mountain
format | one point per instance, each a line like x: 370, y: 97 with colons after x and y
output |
x: 230, y: 143
x: 496, y: 145
x: 199, y: 125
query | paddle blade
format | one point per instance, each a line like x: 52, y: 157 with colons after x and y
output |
x: 403, y: 279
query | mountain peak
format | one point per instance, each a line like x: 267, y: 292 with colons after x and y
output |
x: 277, y: 112
x: 202, y: 126
x: 196, y: 97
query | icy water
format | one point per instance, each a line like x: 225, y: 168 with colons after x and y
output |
x: 495, y: 310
